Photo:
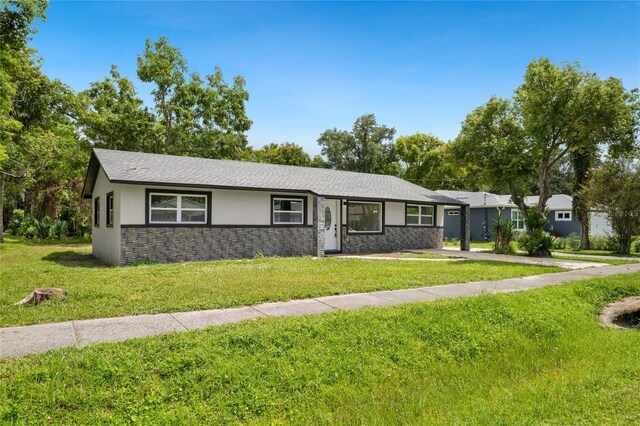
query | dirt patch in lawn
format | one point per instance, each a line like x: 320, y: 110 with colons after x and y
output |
x: 624, y: 313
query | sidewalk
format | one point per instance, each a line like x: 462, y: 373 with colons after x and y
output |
x: 554, y: 253
x: 19, y: 341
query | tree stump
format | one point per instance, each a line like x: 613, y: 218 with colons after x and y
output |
x: 39, y: 295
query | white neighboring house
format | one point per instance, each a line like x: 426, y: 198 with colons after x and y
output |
x: 167, y: 208
x: 600, y: 225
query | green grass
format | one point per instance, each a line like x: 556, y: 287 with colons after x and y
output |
x: 535, y: 357
x: 598, y: 253
x: 96, y: 290
x: 474, y: 244
x: 418, y: 255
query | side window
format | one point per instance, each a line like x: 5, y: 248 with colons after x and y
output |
x: 96, y: 212
x: 110, y: 209
x: 518, y: 219
x: 419, y: 215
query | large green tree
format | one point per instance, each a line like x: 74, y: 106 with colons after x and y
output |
x: 287, y: 153
x: 492, y: 139
x: 614, y: 189
x: 429, y: 162
x: 556, y: 111
x: 112, y: 116
x: 366, y: 148
x: 41, y: 154
x: 17, y: 18
x: 199, y: 116
x: 609, y: 125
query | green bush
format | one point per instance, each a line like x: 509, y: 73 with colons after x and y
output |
x: 503, y: 232
x: 27, y: 226
x: 607, y: 243
x: 636, y: 246
x: 570, y: 242
x: 537, y: 242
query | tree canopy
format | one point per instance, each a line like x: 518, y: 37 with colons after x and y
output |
x: 557, y: 113
x: 366, y: 148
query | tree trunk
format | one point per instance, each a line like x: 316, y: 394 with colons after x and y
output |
x: 582, y: 162
x: 625, y: 244
x: 543, y: 185
x: 39, y: 295
x: 1, y: 208
x: 585, y: 243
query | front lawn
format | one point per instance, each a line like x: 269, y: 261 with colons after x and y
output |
x: 97, y: 290
x: 474, y: 244
x: 535, y: 357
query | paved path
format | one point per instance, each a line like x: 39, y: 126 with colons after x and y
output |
x: 18, y: 341
x: 596, y: 256
x: 557, y: 253
x: 540, y: 261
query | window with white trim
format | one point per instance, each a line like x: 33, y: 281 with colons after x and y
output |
x: 177, y: 208
x: 453, y: 213
x: 418, y: 215
x: 288, y: 211
x: 517, y: 219
x: 364, y: 216
x: 563, y: 216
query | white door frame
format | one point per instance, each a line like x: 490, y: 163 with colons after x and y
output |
x: 333, y: 243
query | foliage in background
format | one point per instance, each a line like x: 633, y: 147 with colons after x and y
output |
x: 41, y: 158
x: 25, y: 225
x: 202, y: 117
x: 536, y: 242
x: 366, y: 148
x: 614, y: 189
x: 503, y: 234
x: 429, y: 162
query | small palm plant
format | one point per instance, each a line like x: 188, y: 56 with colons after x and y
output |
x: 503, y: 232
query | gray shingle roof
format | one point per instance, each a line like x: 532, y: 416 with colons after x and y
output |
x: 157, y: 169
x: 476, y: 199
x: 487, y: 199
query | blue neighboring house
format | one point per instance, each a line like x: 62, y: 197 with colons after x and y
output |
x: 485, y: 206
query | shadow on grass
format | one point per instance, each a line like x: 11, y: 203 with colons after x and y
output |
x: 75, y: 259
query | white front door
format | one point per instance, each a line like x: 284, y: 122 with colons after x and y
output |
x: 331, y: 224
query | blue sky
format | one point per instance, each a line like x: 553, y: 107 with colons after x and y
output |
x: 312, y: 66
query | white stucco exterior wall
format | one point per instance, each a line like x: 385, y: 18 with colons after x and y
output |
x: 106, y: 240
x: 599, y: 225
x: 440, y: 215
x: 394, y: 213
x: 229, y: 207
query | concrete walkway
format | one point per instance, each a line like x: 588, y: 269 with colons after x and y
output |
x: 554, y: 253
x: 540, y: 261
x: 19, y: 341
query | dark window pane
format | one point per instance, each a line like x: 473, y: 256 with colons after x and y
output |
x: 412, y: 220
x: 192, y: 216
x: 193, y: 202
x: 164, y: 201
x: 426, y: 210
x: 412, y: 209
x: 287, y: 205
x: 363, y: 217
x: 164, y: 216
x: 327, y: 218
x: 281, y: 217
